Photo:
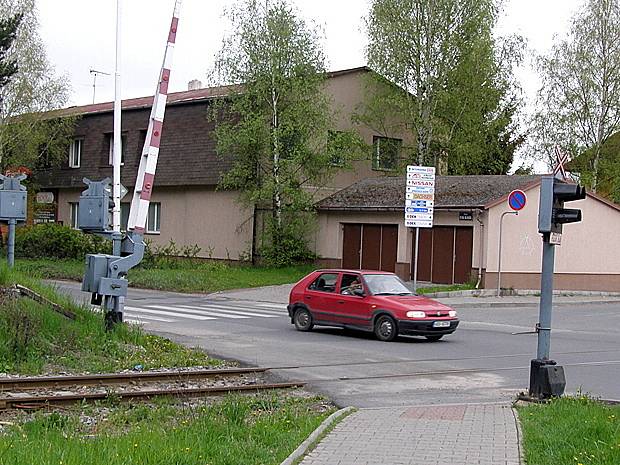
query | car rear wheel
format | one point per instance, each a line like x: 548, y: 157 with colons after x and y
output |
x: 303, y: 320
x: 385, y: 328
x: 434, y: 337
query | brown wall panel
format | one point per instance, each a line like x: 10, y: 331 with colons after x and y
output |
x: 462, y: 262
x: 371, y: 247
x: 351, y: 246
x: 443, y: 254
x: 425, y: 244
x: 389, y: 247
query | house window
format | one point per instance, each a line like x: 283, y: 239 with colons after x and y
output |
x: 335, y: 147
x: 111, y: 148
x: 153, y: 220
x: 73, y: 214
x: 75, y: 153
x: 385, y: 153
x: 124, y: 215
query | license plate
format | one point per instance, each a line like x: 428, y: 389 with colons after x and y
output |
x: 441, y: 324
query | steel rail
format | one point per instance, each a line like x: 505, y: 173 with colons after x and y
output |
x: 7, y: 384
x: 34, y: 402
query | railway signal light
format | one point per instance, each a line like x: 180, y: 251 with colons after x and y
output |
x: 552, y: 214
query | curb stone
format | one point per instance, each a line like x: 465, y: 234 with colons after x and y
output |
x: 515, y: 413
x: 518, y: 293
x: 305, y: 446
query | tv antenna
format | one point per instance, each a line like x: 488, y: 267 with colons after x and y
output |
x: 96, y: 73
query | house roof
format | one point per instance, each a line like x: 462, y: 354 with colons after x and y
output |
x: 388, y: 193
x: 174, y: 98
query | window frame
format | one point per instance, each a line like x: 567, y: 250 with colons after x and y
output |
x: 74, y: 211
x: 75, y: 141
x: 111, y: 148
x: 157, y: 208
x: 376, y: 153
x: 311, y: 286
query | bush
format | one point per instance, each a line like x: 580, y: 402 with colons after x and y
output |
x: 286, y: 249
x: 56, y: 241
x: 170, y: 256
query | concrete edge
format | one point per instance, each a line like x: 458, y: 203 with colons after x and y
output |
x: 308, y: 444
x: 518, y: 293
x: 515, y: 414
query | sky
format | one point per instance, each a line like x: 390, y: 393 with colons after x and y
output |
x: 79, y: 36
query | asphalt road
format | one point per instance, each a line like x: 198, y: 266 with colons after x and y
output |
x: 482, y: 361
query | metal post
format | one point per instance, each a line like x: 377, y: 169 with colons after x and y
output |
x: 415, y: 265
x: 546, y: 299
x: 11, y: 243
x: 499, y: 252
x: 116, y: 186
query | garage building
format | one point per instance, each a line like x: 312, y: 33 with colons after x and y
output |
x: 362, y: 226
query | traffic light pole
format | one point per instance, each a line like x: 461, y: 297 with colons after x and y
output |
x: 546, y: 299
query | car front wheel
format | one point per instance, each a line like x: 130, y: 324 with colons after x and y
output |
x: 385, y: 328
x: 303, y: 320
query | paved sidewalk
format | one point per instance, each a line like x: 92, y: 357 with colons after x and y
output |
x: 483, y: 434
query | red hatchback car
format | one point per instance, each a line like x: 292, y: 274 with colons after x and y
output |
x: 374, y: 301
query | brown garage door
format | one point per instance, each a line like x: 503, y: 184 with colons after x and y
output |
x: 352, y: 246
x: 370, y: 246
x: 444, y: 254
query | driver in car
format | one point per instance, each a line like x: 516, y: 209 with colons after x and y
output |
x: 350, y: 289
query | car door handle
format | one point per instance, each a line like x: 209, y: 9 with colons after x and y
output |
x: 341, y: 301
x: 308, y: 297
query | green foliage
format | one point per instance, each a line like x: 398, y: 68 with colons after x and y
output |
x: 608, y: 182
x: 56, y: 241
x: 286, y: 246
x: 578, y: 105
x: 8, y: 30
x: 170, y: 256
x: 234, y: 430
x: 575, y: 430
x: 454, y: 86
x: 33, y: 338
x: 275, y: 122
x: 29, y: 135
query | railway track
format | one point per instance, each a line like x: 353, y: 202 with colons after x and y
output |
x: 34, y: 393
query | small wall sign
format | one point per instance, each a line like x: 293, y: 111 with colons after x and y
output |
x: 465, y: 216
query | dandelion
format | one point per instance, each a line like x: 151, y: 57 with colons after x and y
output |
x: 135, y: 445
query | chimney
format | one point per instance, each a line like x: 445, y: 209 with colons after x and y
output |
x: 194, y: 84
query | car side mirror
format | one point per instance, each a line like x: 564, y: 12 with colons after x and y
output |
x: 359, y: 292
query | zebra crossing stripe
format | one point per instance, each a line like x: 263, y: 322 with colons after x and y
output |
x: 148, y: 317
x: 169, y: 313
x: 189, y: 308
x: 230, y: 312
x: 245, y: 307
x: 279, y: 307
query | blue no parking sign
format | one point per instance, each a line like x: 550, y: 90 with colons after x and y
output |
x: 517, y: 200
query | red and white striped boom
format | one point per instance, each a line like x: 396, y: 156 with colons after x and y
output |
x: 148, y: 162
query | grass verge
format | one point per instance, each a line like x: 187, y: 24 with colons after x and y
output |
x: 236, y: 430
x: 571, y: 430
x: 34, y: 339
x: 446, y: 288
x: 194, y: 277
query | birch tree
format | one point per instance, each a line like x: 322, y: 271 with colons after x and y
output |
x: 274, y: 124
x: 29, y: 136
x: 578, y: 105
x: 453, y: 80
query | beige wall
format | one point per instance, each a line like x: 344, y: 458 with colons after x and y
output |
x: 588, y: 247
x: 347, y: 91
x: 211, y: 219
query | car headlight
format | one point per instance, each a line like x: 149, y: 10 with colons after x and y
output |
x: 452, y: 313
x: 416, y: 314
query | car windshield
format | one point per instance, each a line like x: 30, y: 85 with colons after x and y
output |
x: 386, y: 284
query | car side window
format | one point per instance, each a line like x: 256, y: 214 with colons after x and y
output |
x: 326, y: 282
x: 350, y: 282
